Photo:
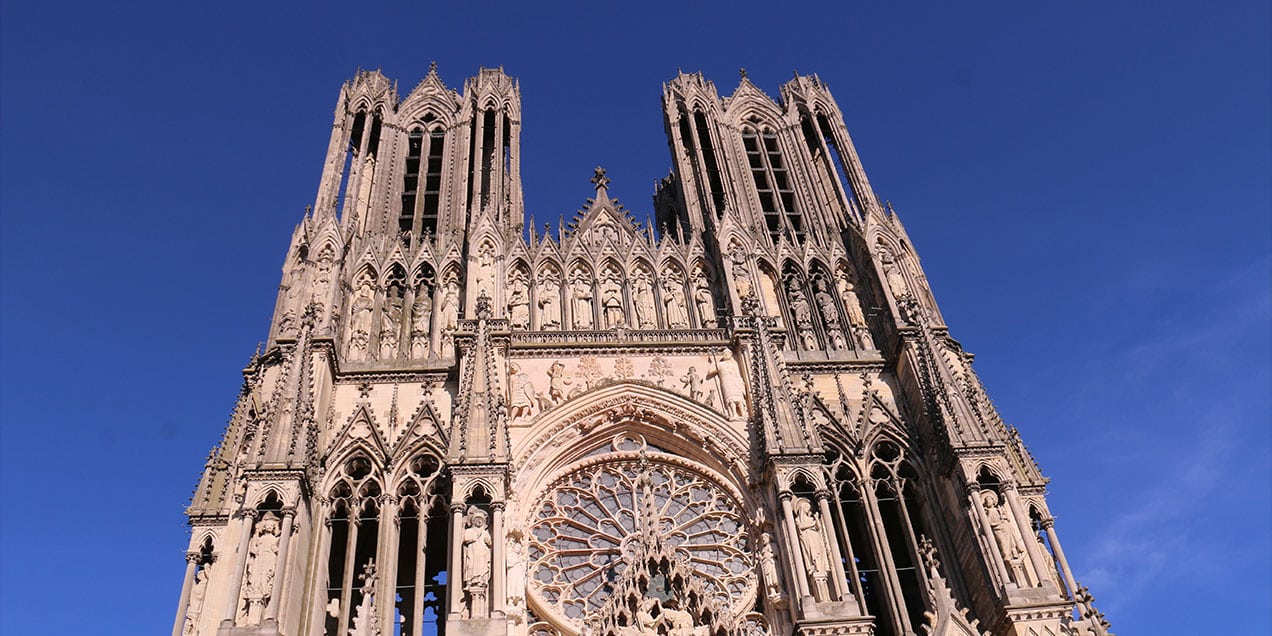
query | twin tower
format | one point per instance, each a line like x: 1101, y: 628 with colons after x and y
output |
x: 744, y: 417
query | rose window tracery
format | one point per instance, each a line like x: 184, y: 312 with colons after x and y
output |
x: 588, y: 531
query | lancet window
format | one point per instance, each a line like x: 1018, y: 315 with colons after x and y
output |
x: 773, y: 184
x: 422, y: 178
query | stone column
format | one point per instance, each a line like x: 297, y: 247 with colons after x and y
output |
x: 351, y: 551
x: 280, y: 568
x: 796, y: 550
x: 832, y: 542
x: 498, y: 595
x: 183, y: 605
x: 855, y: 578
x: 247, y: 523
x: 454, y: 573
x: 387, y: 562
x: 1049, y: 525
x: 421, y: 571
x: 1022, y: 522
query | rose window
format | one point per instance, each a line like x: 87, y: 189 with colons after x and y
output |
x: 589, y: 529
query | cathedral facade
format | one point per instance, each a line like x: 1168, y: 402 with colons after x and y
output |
x: 746, y: 416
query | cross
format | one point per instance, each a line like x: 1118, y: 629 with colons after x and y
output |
x: 741, y: 72
x: 599, y: 179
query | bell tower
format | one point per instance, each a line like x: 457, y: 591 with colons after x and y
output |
x: 744, y: 417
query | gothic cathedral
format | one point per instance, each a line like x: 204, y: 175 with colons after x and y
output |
x: 744, y: 417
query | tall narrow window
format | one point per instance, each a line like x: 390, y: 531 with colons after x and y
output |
x: 773, y: 185
x: 709, y: 160
x: 433, y: 182
x: 487, y: 154
x: 351, y: 153
x: 411, y: 180
x: 835, y: 156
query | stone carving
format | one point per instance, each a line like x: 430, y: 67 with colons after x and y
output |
x: 692, y: 384
x: 360, y: 313
x: 768, y: 569
x: 830, y: 314
x: 390, y: 327
x: 519, y: 304
x: 549, y: 301
x: 516, y: 577
x: 674, y: 303
x: 581, y: 300
x: 643, y: 299
x: 892, y: 274
x: 703, y: 300
x: 485, y: 273
x: 476, y: 562
x: 366, y: 620
x: 557, y: 381
x: 421, y: 319
x: 812, y: 542
x: 677, y: 621
x: 521, y: 394
x: 1000, y: 527
x: 731, y: 385
x: 741, y: 273
x: 801, y: 311
x: 856, y: 319
x: 623, y: 368
x: 450, y: 306
x: 612, y: 304
x: 659, y: 370
x: 197, y: 593
x: 262, y: 551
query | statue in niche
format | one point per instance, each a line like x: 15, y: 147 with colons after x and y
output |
x: 856, y: 319
x: 800, y: 309
x: 731, y: 385
x: 1052, y: 573
x: 322, y: 275
x: 450, y: 306
x: 476, y: 562
x: 366, y: 620
x: 703, y: 301
x: 421, y: 318
x: 581, y: 300
x: 485, y: 273
x: 360, y: 312
x: 643, y: 299
x: 612, y: 304
x: 521, y: 393
x: 517, y: 577
x: 693, y: 384
x: 812, y: 541
x: 1000, y: 527
x: 549, y: 305
x: 197, y: 593
x: 390, y: 326
x: 768, y: 568
x: 741, y: 274
x: 262, y: 550
x: 519, y: 304
x: 674, y: 303
x: 646, y: 623
x: 892, y: 273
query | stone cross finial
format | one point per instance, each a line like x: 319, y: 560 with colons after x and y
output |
x: 600, y: 180
x: 432, y: 67
x: 741, y: 72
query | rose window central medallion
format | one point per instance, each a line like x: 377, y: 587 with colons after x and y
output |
x: 595, y: 522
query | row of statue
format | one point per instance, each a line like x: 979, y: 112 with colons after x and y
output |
x: 604, y: 303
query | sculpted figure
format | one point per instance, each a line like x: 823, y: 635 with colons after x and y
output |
x: 1000, y: 527
x: 799, y: 306
x: 476, y: 561
x: 366, y: 622
x: 360, y: 319
x: 485, y: 269
x: 450, y: 306
x: 521, y: 399
x: 768, y: 568
x: 892, y: 273
x: 678, y: 621
x: 262, y: 549
x: 557, y: 382
x: 702, y: 299
x: 517, y: 576
x: 612, y: 305
x: 692, y: 383
x: 674, y: 304
x: 197, y: 593
x: 549, y: 305
x: 519, y: 304
x: 812, y: 541
x: 390, y: 327
x: 731, y: 385
x: 643, y: 299
x: 421, y: 319
x: 741, y: 275
x: 581, y: 298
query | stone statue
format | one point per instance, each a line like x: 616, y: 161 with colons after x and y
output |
x: 731, y: 385
x: 197, y: 592
x: 476, y: 561
x: 674, y: 304
x: 646, y: 623
x: 677, y: 621
x: 549, y: 305
x: 831, y: 316
x: 892, y: 273
x: 450, y: 306
x: 519, y: 304
x: 581, y: 301
x: 517, y: 577
x: 702, y: 299
x: 485, y: 270
x: 643, y: 299
x: 390, y: 327
x: 693, y: 384
x: 741, y: 275
x: 557, y: 382
x: 768, y: 568
x: 360, y: 311
x: 262, y: 549
x: 612, y: 305
x: 812, y: 542
x: 521, y: 399
x: 800, y: 309
x: 1000, y: 525
x: 421, y: 319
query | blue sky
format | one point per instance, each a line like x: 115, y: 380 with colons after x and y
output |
x: 1088, y: 186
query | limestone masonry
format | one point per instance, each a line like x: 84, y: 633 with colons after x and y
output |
x: 745, y: 418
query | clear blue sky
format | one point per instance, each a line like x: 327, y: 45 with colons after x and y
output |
x: 1088, y: 185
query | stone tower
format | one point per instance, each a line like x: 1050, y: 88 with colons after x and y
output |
x: 747, y: 417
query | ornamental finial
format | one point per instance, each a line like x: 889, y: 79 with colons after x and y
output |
x: 600, y: 180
